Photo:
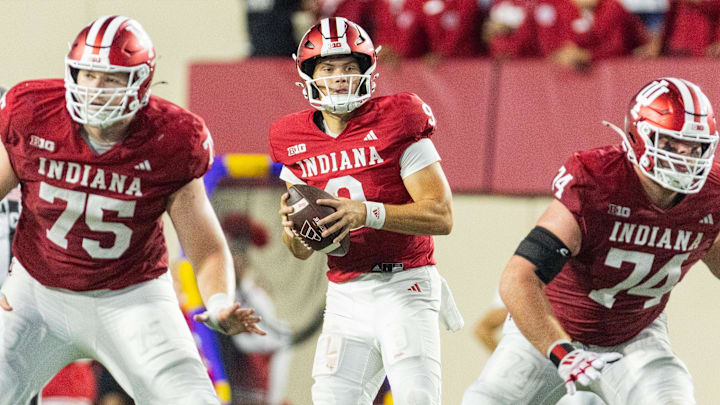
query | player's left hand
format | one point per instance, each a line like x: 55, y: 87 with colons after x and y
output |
x: 232, y: 320
x: 349, y: 214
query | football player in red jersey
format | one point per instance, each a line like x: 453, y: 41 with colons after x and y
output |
x: 587, y: 287
x: 377, y: 156
x: 99, y: 160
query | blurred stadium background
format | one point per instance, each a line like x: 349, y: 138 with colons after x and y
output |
x: 504, y: 129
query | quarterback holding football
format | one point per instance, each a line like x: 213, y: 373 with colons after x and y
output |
x: 377, y: 157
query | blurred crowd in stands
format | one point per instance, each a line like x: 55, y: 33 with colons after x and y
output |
x: 572, y: 33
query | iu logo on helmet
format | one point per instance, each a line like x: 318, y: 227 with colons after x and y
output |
x: 648, y: 95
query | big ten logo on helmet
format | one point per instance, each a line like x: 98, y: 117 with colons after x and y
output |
x: 41, y: 143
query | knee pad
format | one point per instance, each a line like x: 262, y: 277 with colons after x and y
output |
x: 422, y: 392
x: 416, y: 381
x: 346, y: 371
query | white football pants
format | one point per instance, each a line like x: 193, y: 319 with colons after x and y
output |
x: 376, y: 324
x: 648, y: 374
x: 138, y: 333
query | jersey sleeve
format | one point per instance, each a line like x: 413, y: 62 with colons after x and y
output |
x: 272, y: 135
x: 7, y: 102
x: 418, y: 156
x: 419, y: 119
x: 201, y: 151
x: 569, y: 186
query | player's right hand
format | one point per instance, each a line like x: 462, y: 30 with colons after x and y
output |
x: 580, y: 366
x: 4, y: 304
x: 284, y: 211
x: 296, y: 244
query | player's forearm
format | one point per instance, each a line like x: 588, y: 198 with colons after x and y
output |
x: 296, y: 247
x: 524, y: 296
x: 215, y: 274
x: 427, y: 217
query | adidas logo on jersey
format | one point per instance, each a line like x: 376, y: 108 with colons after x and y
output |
x: 415, y: 287
x: 370, y: 136
x: 708, y: 220
x: 143, y: 166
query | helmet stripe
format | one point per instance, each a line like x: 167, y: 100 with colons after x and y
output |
x: 325, y: 27
x: 687, y: 98
x: 696, y: 103
x: 341, y: 26
x: 92, y: 34
x: 109, y: 35
x: 333, y: 29
x: 97, y: 44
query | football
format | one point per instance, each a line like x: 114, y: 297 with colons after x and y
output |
x: 306, y: 213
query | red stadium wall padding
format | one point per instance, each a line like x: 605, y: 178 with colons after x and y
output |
x: 502, y: 128
x: 545, y: 113
x: 458, y: 93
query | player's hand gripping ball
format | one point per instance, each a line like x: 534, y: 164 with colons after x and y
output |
x: 306, y: 213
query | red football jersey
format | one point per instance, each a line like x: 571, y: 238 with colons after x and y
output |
x: 632, y: 254
x: 397, y: 25
x: 363, y: 164
x: 608, y: 31
x: 93, y: 221
x: 690, y: 27
x: 452, y: 27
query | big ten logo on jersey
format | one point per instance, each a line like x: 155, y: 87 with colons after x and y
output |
x: 648, y: 95
x: 295, y: 149
x: 560, y: 181
x: 42, y: 143
x: 619, y: 210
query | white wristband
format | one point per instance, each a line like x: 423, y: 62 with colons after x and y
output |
x: 374, y: 214
x: 215, y: 304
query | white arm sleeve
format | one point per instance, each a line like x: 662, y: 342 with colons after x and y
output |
x: 418, y: 156
x: 290, y: 177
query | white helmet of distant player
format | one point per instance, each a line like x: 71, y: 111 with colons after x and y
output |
x: 674, y: 109
x: 109, y: 44
x: 336, y: 36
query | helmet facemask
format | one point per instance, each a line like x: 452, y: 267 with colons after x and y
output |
x: 321, y: 96
x: 110, y: 44
x: 103, y: 107
x: 682, y: 173
x: 336, y: 37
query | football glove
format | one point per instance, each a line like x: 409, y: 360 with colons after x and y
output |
x: 577, y: 365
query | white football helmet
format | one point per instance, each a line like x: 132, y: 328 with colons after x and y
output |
x: 110, y: 44
x: 336, y: 36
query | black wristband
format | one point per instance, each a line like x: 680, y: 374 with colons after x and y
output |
x: 559, y: 351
